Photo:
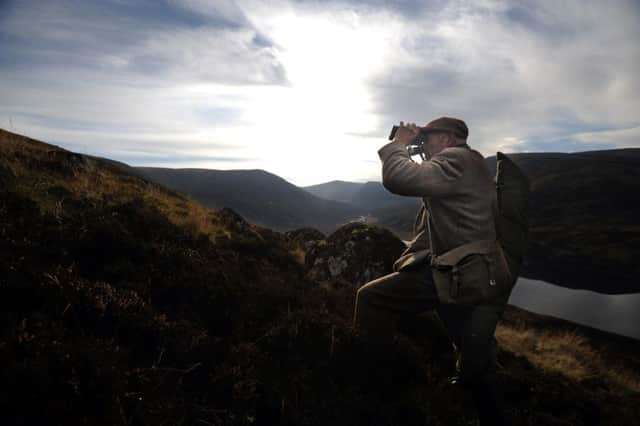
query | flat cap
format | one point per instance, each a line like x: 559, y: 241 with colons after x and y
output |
x: 447, y: 124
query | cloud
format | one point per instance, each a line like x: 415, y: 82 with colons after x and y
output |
x: 210, y: 55
x: 295, y: 86
x: 114, y: 77
x: 618, y: 138
x: 226, y: 11
x: 513, y: 71
x: 153, y: 40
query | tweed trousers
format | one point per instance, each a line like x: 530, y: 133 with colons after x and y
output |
x: 382, y: 302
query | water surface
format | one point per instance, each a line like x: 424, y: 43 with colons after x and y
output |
x: 619, y: 313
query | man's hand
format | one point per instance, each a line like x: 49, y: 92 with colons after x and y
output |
x: 406, y: 133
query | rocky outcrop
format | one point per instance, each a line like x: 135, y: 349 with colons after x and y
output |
x: 308, y: 238
x: 232, y: 219
x: 355, y: 254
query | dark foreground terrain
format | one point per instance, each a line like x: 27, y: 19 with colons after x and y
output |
x: 125, y: 303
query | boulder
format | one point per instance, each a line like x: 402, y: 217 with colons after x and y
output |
x: 306, y: 237
x: 354, y: 254
x: 231, y: 219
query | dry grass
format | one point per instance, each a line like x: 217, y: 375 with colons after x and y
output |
x: 567, y: 353
x: 34, y: 165
x: 115, y: 189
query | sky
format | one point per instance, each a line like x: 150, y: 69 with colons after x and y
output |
x: 309, y: 90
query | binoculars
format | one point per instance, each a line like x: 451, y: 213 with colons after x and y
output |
x: 416, y: 147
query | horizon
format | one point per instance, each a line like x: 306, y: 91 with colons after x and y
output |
x: 375, y: 179
x: 232, y: 85
x: 380, y: 179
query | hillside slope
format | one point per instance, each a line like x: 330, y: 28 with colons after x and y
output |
x: 337, y: 190
x: 122, y: 302
x: 371, y: 198
x: 261, y: 197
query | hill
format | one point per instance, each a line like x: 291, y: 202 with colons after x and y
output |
x: 123, y: 302
x: 371, y: 198
x: 261, y: 197
x: 336, y: 190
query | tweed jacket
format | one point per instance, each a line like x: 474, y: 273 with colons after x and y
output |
x: 458, y: 193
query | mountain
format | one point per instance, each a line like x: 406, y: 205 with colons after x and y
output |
x: 336, y: 190
x: 369, y: 197
x: 378, y: 205
x: 399, y: 218
x: 259, y: 196
x: 372, y: 196
x: 124, y: 302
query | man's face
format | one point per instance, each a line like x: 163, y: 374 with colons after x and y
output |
x: 435, y: 143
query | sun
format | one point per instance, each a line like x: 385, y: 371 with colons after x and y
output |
x: 329, y: 60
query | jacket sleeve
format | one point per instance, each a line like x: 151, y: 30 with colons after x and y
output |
x: 434, y: 178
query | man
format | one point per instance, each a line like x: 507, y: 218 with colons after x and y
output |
x: 457, y: 218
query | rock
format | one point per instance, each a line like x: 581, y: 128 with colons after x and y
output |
x: 232, y: 219
x: 306, y: 237
x: 242, y: 232
x: 356, y: 253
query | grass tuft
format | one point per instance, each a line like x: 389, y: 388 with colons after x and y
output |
x: 567, y: 353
